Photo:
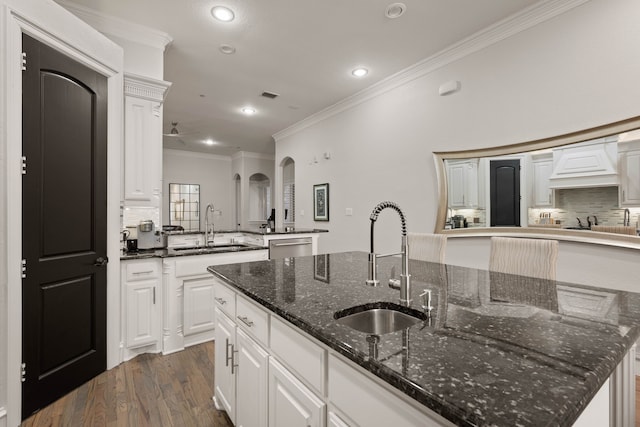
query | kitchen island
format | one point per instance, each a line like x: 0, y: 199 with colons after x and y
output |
x: 496, y: 349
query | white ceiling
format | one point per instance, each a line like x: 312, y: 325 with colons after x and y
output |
x: 303, y: 50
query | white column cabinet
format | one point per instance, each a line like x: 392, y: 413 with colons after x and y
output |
x: 291, y: 403
x: 542, y: 170
x: 141, y: 305
x: 629, y: 171
x: 143, y: 140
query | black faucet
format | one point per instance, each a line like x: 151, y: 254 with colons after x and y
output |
x: 580, y: 223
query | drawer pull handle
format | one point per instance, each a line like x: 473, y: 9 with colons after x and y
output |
x: 220, y: 301
x: 291, y: 244
x: 245, y: 320
x: 143, y: 272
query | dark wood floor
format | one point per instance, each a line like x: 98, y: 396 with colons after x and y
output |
x: 150, y: 390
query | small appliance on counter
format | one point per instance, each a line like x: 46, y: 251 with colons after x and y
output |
x: 149, y: 238
x: 459, y: 221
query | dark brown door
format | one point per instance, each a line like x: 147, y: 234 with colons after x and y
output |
x: 504, y: 178
x: 64, y: 106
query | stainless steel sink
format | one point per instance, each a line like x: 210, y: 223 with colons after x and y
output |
x: 379, y: 318
x: 211, y: 248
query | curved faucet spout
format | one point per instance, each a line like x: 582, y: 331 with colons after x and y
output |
x: 405, y: 283
x: 379, y: 208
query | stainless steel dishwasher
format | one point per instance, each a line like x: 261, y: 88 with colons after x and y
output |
x: 283, y: 248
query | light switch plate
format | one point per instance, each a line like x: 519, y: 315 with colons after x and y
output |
x: 348, y: 211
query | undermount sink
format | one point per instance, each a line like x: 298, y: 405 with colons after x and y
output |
x: 379, y: 318
x: 211, y: 248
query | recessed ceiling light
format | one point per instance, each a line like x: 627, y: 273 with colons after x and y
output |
x: 209, y: 141
x: 227, y: 49
x: 222, y: 13
x: 395, y: 10
x: 360, y: 72
x: 248, y: 110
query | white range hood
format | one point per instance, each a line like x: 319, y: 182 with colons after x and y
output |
x: 586, y: 164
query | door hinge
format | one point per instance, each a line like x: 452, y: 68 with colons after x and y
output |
x: 24, y: 165
x: 23, y: 372
x: 24, y: 61
x: 24, y: 268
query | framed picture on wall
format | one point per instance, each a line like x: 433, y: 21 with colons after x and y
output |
x: 321, y: 202
x: 321, y: 267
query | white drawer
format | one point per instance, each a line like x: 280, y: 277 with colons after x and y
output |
x: 142, y: 270
x: 252, y: 319
x: 299, y: 353
x: 226, y: 299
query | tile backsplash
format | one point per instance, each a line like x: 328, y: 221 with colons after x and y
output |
x: 601, y: 202
x: 133, y: 216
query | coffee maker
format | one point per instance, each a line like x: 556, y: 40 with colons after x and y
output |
x: 148, y: 236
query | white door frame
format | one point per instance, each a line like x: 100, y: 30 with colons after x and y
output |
x: 51, y: 24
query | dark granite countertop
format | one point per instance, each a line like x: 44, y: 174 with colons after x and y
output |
x: 174, y: 252
x: 260, y: 232
x: 498, y: 349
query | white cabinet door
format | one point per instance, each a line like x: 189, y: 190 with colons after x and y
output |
x: 224, y: 370
x: 463, y: 184
x: 142, y: 150
x: 199, y: 305
x: 251, y: 382
x: 292, y: 404
x: 542, y: 194
x: 630, y: 178
x: 142, y: 323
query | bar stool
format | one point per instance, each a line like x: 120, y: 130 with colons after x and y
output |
x: 525, y: 257
x: 427, y: 247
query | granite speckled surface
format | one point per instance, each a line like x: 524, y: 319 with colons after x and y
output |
x: 173, y: 252
x: 260, y: 232
x: 498, y: 349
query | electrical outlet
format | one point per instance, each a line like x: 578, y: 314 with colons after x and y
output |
x: 348, y: 211
x: 301, y: 212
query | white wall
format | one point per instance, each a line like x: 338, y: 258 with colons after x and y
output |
x: 246, y: 164
x: 577, y: 70
x: 212, y: 172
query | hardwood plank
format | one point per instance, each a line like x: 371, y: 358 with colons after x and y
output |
x: 150, y: 390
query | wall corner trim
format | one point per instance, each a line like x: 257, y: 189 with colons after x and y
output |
x: 514, y: 24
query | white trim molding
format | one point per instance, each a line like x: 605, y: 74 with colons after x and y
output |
x: 196, y: 154
x: 252, y: 155
x: 145, y: 87
x: 521, y: 21
x: 119, y: 27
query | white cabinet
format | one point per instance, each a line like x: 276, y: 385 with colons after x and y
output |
x: 629, y: 171
x: 290, y: 402
x: 463, y: 183
x: 542, y: 195
x: 224, y: 369
x: 251, y: 382
x: 188, y: 289
x: 198, y: 305
x: 241, y: 364
x: 143, y: 140
x: 141, y: 326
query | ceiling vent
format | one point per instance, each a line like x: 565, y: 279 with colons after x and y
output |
x: 270, y: 95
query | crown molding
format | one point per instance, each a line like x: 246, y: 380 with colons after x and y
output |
x: 521, y: 21
x: 252, y: 155
x: 119, y: 27
x: 145, y: 87
x: 196, y: 154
